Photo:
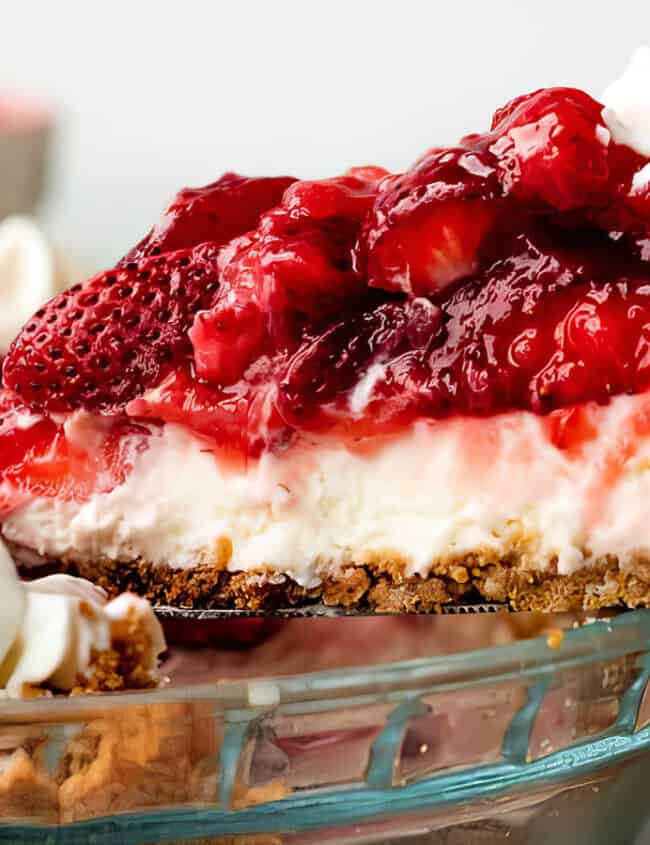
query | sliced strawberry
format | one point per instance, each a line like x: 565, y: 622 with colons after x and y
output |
x: 548, y: 153
x: 427, y: 225
x: 553, y: 150
x: 555, y: 153
x: 548, y: 327
x: 227, y: 339
x: 304, y: 248
x: 216, y: 213
x: 526, y: 109
x: 432, y: 248
x: 329, y: 367
x: 350, y: 195
x: 102, y: 343
x: 296, y: 266
x: 34, y: 458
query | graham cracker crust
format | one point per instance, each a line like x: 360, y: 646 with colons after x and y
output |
x: 379, y: 584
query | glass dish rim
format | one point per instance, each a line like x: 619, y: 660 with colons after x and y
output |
x: 599, y: 640
x: 242, y: 702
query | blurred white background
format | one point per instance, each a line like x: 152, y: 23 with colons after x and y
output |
x: 156, y: 95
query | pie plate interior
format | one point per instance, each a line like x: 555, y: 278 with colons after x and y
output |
x: 523, y: 743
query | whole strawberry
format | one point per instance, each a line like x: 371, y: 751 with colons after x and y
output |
x: 101, y: 344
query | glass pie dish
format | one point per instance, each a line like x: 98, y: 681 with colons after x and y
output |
x: 541, y: 740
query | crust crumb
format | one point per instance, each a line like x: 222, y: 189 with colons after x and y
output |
x: 222, y: 552
x: 379, y: 582
x: 347, y: 589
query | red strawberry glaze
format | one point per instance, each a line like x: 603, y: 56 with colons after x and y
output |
x: 33, y: 453
x: 511, y: 272
x: 217, y: 213
x: 570, y: 429
x: 548, y: 154
x: 296, y: 267
x: 38, y: 457
x: 221, y: 417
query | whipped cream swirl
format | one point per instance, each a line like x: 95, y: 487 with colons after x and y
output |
x: 51, y: 629
x: 627, y: 104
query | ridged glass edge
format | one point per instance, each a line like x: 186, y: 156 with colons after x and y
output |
x: 601, y: 640
x: 341, y: 805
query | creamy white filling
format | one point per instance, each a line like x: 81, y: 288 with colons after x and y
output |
x: 441, y: 488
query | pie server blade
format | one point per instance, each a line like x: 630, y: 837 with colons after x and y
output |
x: 201, y: 615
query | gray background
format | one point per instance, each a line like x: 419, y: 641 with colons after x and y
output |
x: 155, y: 95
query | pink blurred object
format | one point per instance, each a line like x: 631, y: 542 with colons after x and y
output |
x: 25, y: 129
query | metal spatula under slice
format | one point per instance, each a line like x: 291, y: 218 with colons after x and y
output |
x: 200, y: 615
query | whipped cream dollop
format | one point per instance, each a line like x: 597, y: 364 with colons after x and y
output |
x: 627, y: 104
x: 52, y: 629
x: 12, y: 603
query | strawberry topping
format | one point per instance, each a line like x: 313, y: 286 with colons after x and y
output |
x: 38, y: 458
x: 216, y: 213
x: 100, y: 344
x: 181, y: 399
x: 548, y: 154
x: 509, y: 272
x: 295, y: 267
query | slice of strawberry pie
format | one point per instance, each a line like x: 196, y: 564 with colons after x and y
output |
x: 379, y: 391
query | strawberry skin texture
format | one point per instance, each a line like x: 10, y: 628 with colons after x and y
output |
x: 101, y: 344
